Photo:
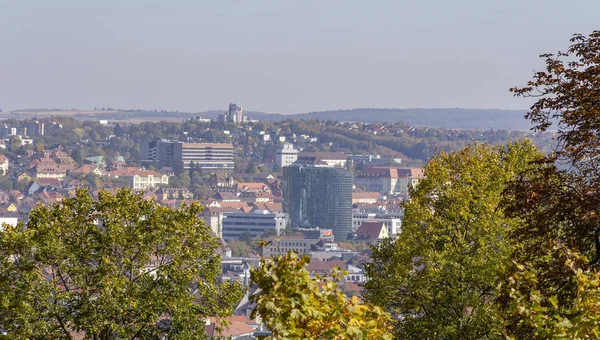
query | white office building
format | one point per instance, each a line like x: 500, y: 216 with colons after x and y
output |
x: 286, y: 156
x: 256, y: 223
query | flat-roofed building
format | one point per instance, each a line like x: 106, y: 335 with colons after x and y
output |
x: 181, y: 155
x: 256, y: 223
x: 286, y: 156
x: 204, y: 155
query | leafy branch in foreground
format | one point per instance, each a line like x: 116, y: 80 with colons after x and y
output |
x: 294, y: 305
x: 545, y: 316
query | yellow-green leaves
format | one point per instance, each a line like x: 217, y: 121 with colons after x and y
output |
x: 546, y: 317
x: 295, y: 306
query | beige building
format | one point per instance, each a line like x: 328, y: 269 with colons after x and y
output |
x: 140, y: 178
x: 389, y: 181
x: 42, y: 171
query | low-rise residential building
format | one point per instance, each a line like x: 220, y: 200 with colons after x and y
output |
x: 391, y: 220
x: 226, y: 196
x: 256, y: 197
x: 371, y: 232
x: 253, y: 187
x: 88, y: 168
x: 43, y: 171
x: 365, y: 197
x: 24, y: 177
x: 388, y: 181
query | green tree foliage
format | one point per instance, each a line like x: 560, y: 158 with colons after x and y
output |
x: 567, y: 92
x: 295, y: 306
x: 440, y: 276
x: 239, y: 248
x: 15, y: 143
x: 93, y: 181
x: 120, y: 267
x: 6, y: 184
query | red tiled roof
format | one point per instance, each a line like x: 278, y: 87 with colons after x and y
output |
x: 369, y: 230
x: 365, y: 195
x: 325, y: 266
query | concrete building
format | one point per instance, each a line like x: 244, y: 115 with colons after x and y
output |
x: 180, y: 155
x: 204, y: 155
x: 34, y: 128
x: 286, y: 156
x: 318, y: 196
x: 256, y: 223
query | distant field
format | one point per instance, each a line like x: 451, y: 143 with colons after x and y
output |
x: 125, y: 116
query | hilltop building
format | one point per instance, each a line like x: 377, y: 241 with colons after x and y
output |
x: 319, y: 196
x: 233, y: 115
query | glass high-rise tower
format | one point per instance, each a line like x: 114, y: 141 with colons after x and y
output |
x: 315, y: 196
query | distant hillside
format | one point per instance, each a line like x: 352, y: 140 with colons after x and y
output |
x: 438, y: 118
x: 444, y: 118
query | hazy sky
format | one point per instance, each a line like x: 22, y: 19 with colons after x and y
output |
x: 278, y: 55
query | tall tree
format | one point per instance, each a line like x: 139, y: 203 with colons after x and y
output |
x: 119, y: 267
x: 440, y: 276
x: 559, y: 207
x: 568, y: 99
